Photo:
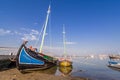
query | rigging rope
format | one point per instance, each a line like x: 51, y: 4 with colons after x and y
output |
x: 39, y: 36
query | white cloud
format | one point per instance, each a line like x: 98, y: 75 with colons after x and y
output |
x: 30, y: 36
x: 25, y: 34
x: 70, y: 43
x: 34, y: 31
x: 4, y: 32
x: 18, y: 33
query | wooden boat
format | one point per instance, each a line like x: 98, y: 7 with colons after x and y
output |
x: 114, y: 56
x: 114, y: 63
x: 64, y: 61
x: 28, y: 59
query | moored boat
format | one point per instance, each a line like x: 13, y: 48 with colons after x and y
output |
x: 114, y: 56
x: 30, y: 59
x: 65, y: 61
x: 114, y: 63
x: 27, y: 59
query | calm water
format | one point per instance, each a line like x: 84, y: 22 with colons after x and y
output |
x: 92, y: 68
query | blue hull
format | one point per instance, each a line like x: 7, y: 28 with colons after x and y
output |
x: 27, y: 59
x: 114, y: 64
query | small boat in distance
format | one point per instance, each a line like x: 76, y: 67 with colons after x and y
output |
x: 114, y: 56
x: 114, y: 61
x: 114, y: 64
x: 65, y: 60
x: 29, y: 59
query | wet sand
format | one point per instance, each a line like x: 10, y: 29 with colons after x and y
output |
x: 14, y: 74
x: 10, y: 72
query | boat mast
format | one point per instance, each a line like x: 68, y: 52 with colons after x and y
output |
x: 64, y: 41
x: 44, y: 31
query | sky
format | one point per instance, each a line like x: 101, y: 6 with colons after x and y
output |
x: 92, y: 26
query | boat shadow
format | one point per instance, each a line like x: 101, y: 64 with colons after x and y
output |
x: 113, y: 68
x: 6, y: 64
x: 51, y: 70
x: 65, y: 71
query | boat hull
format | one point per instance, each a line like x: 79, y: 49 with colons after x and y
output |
x: 114, y: 64
x: 30, y: 60
x: 65, y: 63
x: 114, y: 56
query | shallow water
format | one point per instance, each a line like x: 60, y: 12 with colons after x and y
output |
x: 92, y: 68
x: 88, y: 68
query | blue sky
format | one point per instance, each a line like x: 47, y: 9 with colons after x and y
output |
x: 92, y: 26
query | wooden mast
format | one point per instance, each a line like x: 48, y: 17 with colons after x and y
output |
x: 44, y: 31
x: 65, y: 61
x: 64, y: 41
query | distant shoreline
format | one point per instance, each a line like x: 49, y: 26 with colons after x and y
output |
x: 8, y: 47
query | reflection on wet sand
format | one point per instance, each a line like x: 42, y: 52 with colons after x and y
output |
x: 65, y: 71
x: 51, y: 70
x: 113, y: 68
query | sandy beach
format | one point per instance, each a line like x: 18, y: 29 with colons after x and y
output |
x: 14, y: 74
x: 10, y: 72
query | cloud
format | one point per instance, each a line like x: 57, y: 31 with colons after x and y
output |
x: 70, y: 43
x: 34, y: 31
x: 4, y: 32
x: 18, y: 33
x: 25, y: 34
x: 30, y: 36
